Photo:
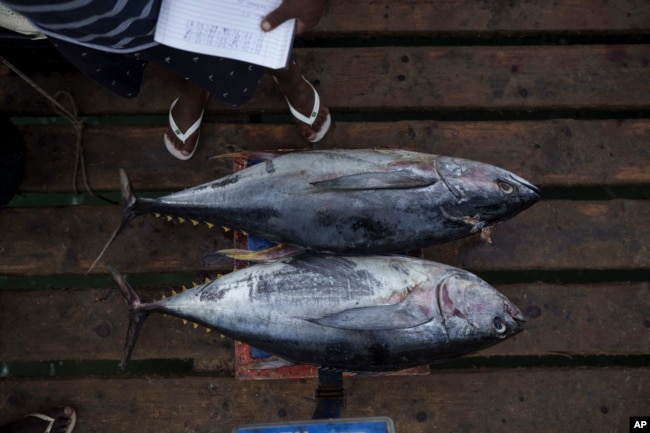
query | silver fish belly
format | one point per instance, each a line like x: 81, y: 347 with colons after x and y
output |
x: 351, y: 201
x: 355, y: 313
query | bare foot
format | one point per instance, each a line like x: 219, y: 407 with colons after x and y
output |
x: 61, y: 419
x: 301, y: 96
x: 185, y: 112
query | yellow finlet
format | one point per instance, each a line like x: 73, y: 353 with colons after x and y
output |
x: 157, y: 215
x: 181, y: 220
x: 194, y: 222
x: 173, y: 292
x: 225, y: 229
x: 210, y: 225
x: 184, y: 288
x: 196, y: 325
x: 230, y: 155
x: 169, y: 218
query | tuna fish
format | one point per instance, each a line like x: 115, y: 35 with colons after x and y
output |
x: 351, y: 313
x: 349, y: 201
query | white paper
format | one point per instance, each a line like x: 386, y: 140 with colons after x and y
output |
x: 226, y: 28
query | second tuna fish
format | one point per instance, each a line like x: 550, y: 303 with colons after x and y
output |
x: 355, y: 313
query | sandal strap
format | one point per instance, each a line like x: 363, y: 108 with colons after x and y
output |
x: 46, y: 418
x: 309, y: 120
x: 183, y: 136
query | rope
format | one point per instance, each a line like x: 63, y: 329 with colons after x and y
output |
x: 72, y: 117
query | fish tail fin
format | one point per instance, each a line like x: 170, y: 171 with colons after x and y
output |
x: 128, y: 197
x: 137, y: 315
x: 128, y: 214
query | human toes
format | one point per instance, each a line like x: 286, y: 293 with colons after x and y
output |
x: 63, y: 419
x: 186, y: 147
x: 311, y: 132
x: 36, y: 423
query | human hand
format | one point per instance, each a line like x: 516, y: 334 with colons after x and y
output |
x: 307, y: 12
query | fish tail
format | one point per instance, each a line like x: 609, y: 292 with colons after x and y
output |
x: 129, y: 200
x: 137, y: 314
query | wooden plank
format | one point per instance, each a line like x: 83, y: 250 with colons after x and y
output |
x: 562, y: 319
x: 575, y: 319
x: 554, y: 400
x: 552, y: 235
x: 94, y: 322
x: 458, y: 18
x: 559, y: 235
x: 507, y: 78
x: 489, y: 78
x: 55, y: 241
x: 548, y: 153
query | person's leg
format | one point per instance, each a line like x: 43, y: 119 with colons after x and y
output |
x: 196, y: 78
x: 62, y: 420
x: 301, y: 96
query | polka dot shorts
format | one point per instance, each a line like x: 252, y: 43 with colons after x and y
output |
x: 230, y: 81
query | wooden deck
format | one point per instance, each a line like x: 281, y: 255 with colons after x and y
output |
x: 557, y: 92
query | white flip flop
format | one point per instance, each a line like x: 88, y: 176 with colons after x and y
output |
x: 309, y: 120
x: 51, y: 421
x: 183, y: 136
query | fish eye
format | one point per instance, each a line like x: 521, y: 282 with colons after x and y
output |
x: 505, y: 187
x: 499, y: 326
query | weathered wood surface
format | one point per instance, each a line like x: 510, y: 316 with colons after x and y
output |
x: 67, y: 240
x: 504, y: 78
x: 570, y: 320
x: 548, y: 153
x: 560, y: 235
x: 552, y: 235
x: 522, y: 401
x: 426, y: 63
x: 442, y: 17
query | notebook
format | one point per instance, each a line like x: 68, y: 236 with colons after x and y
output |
x: 226, y: 28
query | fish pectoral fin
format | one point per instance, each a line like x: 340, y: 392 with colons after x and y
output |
x: 383, y: 317
x: 474, y: 221
x: 253, y: 154
x: 280, y: 251
x: 376, y: 180
x: 370, y: 374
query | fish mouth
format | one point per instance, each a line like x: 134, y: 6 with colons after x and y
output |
x: 517, y: 318
x: 523, y: 182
